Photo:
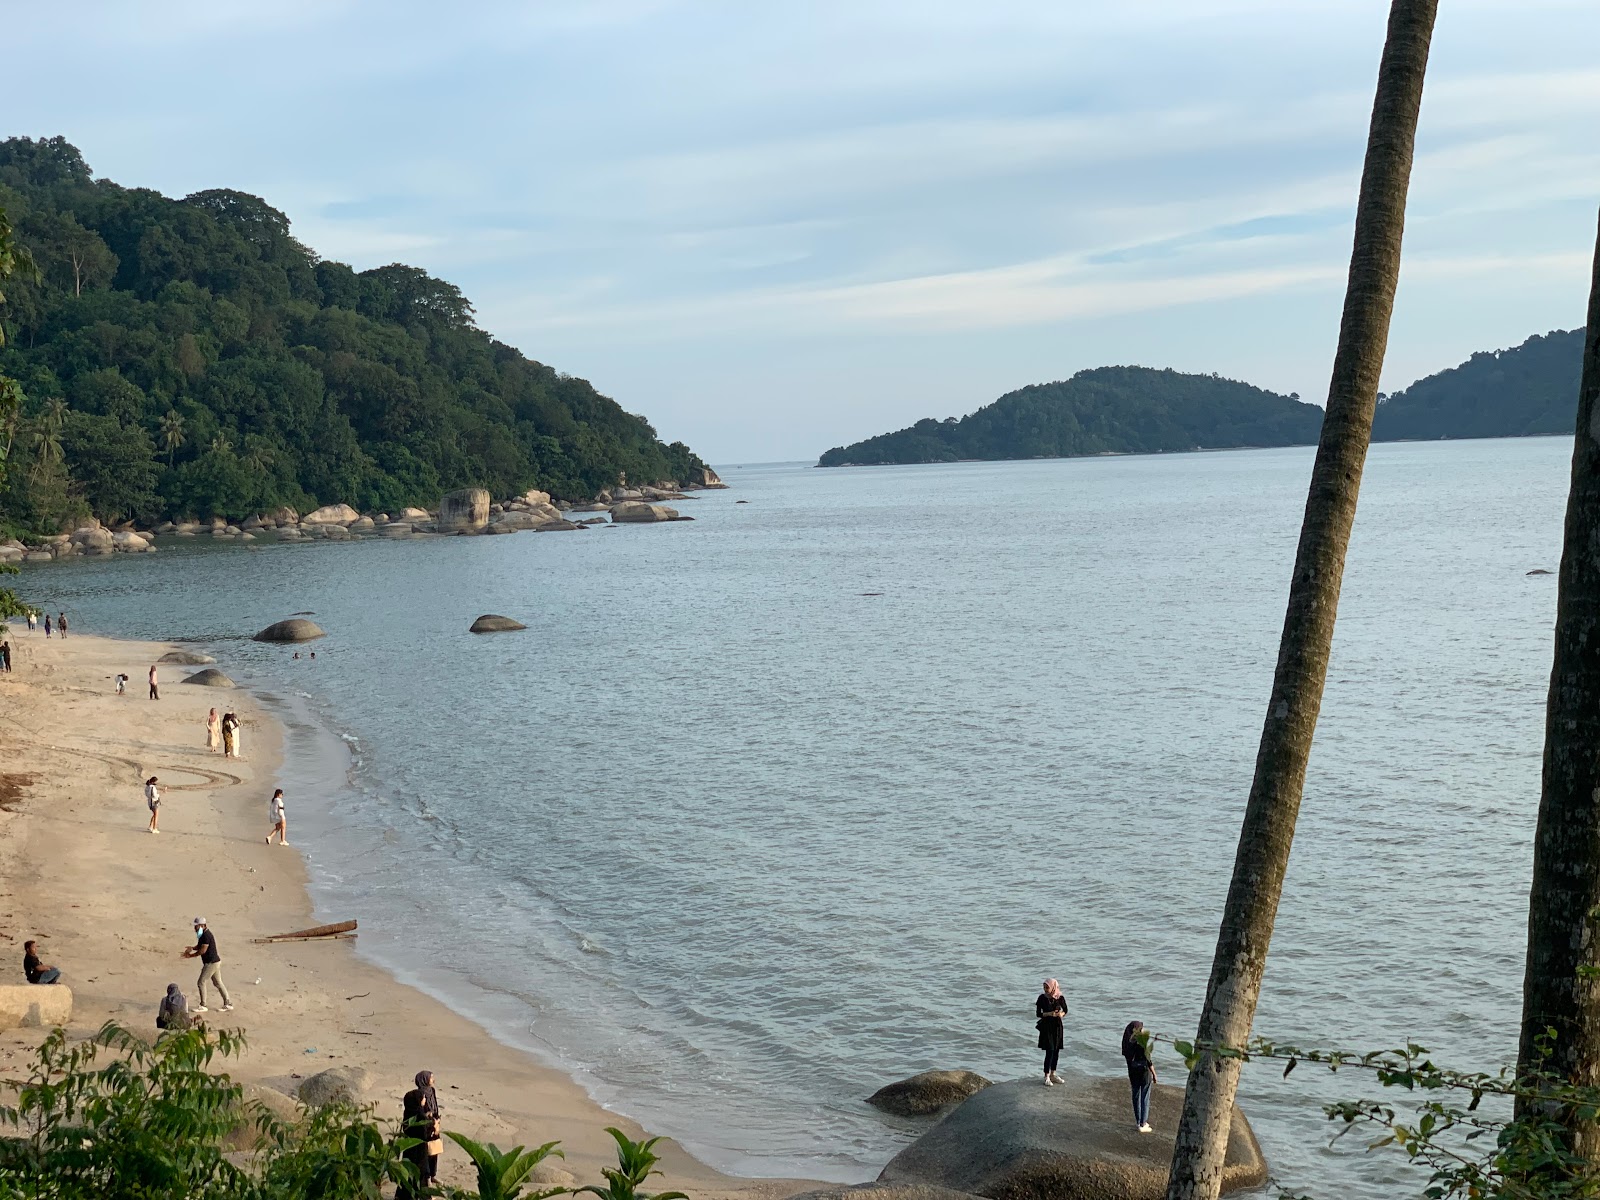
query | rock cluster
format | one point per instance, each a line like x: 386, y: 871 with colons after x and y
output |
x: 88, y: 540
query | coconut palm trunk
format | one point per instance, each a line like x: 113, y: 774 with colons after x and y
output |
x: 1269, y: 820
x: 1556, y: 993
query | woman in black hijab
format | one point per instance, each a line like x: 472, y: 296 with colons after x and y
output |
x: 1141, y: 1072
x: 421, y: 1120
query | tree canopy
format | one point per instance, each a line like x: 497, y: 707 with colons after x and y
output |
x: 1133, y: 410
x: 192, y: 358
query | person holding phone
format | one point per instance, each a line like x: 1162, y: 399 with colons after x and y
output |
x: 1051, y: 1007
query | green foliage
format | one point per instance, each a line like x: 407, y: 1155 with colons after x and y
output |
x: 1530, y: 389
x: 10, y: 605
x: 501, y: 1173
x: 635, y: 1164
x: 1130, y: 410
x: 207, y: 363
x: 339, y: 1153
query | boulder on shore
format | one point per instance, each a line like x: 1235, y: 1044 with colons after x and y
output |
x: 929, y: 1092
x: 295, y: 629
x: 35, y: 1006
x: 186, y: 658
x: 464, y: 510
x: 883, y: 1191
x: 638, y: 512
x: 1020, y: 1141
x: 331, y: 514
x: 492, y: 623
x: 335, y: 1084
x: 210, y: 677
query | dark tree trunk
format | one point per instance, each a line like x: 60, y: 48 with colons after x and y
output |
x: 1269, y: 820
x: 1566, y: 847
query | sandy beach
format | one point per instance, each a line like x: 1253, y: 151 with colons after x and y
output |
x: 111, y: 905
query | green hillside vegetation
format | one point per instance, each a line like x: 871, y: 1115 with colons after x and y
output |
x: 1530, y: 389
x: 191, y: 358
x: 1129, y: 410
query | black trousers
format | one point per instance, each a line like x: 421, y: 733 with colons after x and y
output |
x: 1052, y: 1056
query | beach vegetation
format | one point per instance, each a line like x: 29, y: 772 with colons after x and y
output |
x: 636, y: 1163
x: 502, y: 1174
x: 191, y: 357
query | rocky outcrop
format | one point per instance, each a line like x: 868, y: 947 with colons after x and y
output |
x: 414, y: 514
x: 34, y: 1005
x: 705, y: 477
x: 558, y: 526
x: 331, y: 514
x: 333, y: 1085
x: 463, y: 511
x: 929, y: 1092
x: 1020, y: 1141
x: 491, y: 623
x: 295, y: 629
x: 210, y: 677
x: 186, y: 658
x: 631, y: 512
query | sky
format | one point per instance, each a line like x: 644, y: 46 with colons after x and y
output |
x: 776, y: 227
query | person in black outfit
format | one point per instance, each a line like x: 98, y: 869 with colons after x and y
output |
x: 1141, y: 1072
x: 36, y: 971
x: 420, y: 1119
x: 1051, y: 1006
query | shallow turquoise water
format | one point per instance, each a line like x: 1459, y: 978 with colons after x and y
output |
x: 766, y: 810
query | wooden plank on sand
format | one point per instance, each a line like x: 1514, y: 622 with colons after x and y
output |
x: 337, y: 929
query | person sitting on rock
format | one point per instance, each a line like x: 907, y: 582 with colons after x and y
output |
x: 36, y: 971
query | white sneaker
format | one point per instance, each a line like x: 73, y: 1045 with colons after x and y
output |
x: 1146, y: 1129
x: 229, y: 1008
x: 1047, y: 1082
x: 202, y: 1008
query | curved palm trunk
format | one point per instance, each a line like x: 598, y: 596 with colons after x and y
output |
x: 1269, y: 820
x: 1566, y: 851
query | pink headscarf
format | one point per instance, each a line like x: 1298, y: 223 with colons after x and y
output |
x: 1052, y: 988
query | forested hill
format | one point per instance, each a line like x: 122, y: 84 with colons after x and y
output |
x: 1132, y: 410
x: 1530, y: 389
x: 190, y: 357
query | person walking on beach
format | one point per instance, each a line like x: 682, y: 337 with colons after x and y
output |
x: 420, y: 1119
x: 152, y: 799
x: 155, y: 690
x: 47, y: 624
x: 280, y: 823
x: 1141, y: 1072
x: 33, y: 620
x: 1051, y: 1007
x: 61, y: 625
x: 205, y: 949
x: 5, y: 655
x: 213, y: 732
x: 36, y: 971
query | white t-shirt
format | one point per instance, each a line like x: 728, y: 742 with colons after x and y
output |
x: 275, y: 809
x: 151, y: 795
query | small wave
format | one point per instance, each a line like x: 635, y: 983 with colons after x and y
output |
x: 589, y: 947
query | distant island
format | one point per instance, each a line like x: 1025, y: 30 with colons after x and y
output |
x: 1530, y: 389
x: 192, y: 358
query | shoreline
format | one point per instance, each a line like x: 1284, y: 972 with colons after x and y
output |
x: 112, y: 905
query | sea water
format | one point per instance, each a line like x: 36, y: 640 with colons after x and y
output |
x: 769, y: 809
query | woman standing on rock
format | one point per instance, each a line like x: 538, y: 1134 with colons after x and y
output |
x: 213, y: 732
x: 1051, y: 1007
x: 1141, y: 1072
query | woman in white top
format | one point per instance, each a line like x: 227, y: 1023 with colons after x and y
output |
x: 152, y: 798
x: 280, y: 823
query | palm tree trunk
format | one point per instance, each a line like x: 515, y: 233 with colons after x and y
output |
x: 1566, y: 850
x: 1269, y: 820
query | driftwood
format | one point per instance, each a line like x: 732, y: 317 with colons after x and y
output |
x: 338, y: 931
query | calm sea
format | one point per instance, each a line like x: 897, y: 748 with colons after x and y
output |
x: 767, y: 810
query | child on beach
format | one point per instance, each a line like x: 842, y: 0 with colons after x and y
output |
x: 152, y: 798
x: 280, y: 823
x: 122, y: 684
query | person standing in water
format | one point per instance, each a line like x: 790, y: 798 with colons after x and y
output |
x: 280, y: 823
x: 213, y: 732
x: 152, y: 800
x: 1141, y: 1072
x: 1051, y: 1007
x: 155, y: 691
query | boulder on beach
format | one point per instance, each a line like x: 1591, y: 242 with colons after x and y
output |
x: 210, y: 677
x: 559, y: 525
x: 284, y: 516
x: 362, y: 525
x: 492, y: 623
x: 331, y: 514
x: 466, y: 509
x: 638, y: 512
x: 929, y: 1092
x: 883, y: 1191
x: 396, y: 529
x: 32, y: 1006
x: 186, y: 658
x: 1020, y: 1141
x: 513, y: 520
x: 295, y: 629
x: 413, y: 514
x: 246, y: 1132
x: 92, y: 536
x: 337, y: 1083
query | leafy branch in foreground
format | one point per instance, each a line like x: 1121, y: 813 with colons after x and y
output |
x: 1472, y: 1152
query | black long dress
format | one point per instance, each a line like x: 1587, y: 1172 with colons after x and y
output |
x: 1052, y: 1029
x: 420, y: 1119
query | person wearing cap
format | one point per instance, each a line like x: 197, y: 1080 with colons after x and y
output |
x: 205, y: 949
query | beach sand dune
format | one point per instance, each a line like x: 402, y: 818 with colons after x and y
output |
x: 112, y: 906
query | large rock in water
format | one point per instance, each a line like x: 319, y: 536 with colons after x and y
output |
x: 210, y: 677
x: 336, y: 1083
x: 637, y: 511
x: 295, y: 629
x: 928, y: 1092
x: 1021, y: 1141
x: 186, y: 658
x: 463, y: 511
x: 331, y: 514
x: 490, y: 623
